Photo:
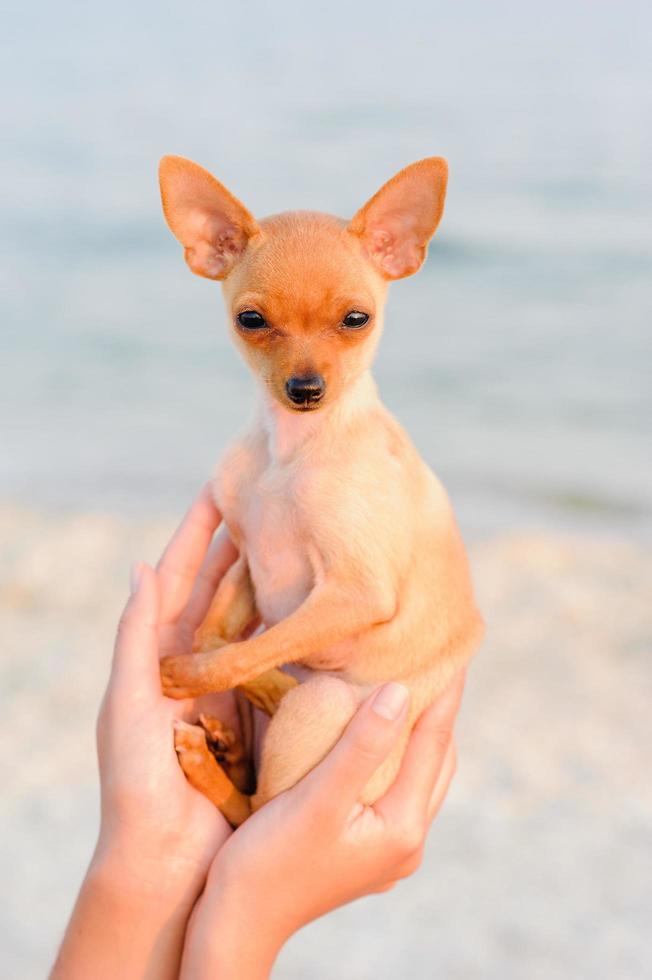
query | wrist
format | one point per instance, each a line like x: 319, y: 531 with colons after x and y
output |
x: 232, y: 935
x: 122, y: 865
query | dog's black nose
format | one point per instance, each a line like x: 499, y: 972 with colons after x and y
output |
x: 305, y: 391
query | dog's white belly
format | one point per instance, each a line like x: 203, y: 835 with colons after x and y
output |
x: 278, y: 560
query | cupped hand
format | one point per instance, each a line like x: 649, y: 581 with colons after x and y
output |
x: 153, y: 823
x: 314, y: 847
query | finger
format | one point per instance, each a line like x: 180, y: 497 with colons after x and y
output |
x: 408, y: 797
x: 178, y: 636
x: 221, y: 555
x: 135, y: 655
x: 181, y: 560
x: 336, y: 783
x: 448, y: 770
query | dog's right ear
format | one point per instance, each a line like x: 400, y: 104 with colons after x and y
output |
x: 211, y: 224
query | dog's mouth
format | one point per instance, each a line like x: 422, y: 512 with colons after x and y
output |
x: 306, y: 406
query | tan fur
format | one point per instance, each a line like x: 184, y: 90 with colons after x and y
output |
x: 231, y: 613
x: 347, y: 537
x: 322, y: 696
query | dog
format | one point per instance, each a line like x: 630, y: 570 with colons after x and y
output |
x: 349, y: 554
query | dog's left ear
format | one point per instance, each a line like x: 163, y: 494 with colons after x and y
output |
x: 396, y: 225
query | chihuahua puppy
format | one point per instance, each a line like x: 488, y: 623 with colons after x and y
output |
x: 349, y: 553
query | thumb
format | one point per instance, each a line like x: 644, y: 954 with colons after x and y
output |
x: 135, y: 656
x: 336, y: 783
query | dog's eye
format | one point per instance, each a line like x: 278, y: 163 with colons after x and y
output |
x: 251, y: 320
x: 355, y: 319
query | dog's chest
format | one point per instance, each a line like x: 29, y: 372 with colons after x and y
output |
x: 269, y: 525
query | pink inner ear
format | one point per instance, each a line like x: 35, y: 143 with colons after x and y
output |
x: 217, y: 243
x: 395, y: 247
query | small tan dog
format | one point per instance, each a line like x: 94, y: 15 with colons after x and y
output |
x: 349, y: 553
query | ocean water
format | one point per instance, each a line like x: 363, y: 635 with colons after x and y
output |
x: 519, y: 358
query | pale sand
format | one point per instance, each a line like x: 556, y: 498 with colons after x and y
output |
x: 538, y: 867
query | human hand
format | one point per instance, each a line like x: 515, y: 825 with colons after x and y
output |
x: 157, y: 835
x: 157, y: 828
x: 315, y: 847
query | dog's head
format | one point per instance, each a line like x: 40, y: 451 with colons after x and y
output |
x: 305, y: 291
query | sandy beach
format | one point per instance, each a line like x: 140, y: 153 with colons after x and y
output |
x: 538, y: 865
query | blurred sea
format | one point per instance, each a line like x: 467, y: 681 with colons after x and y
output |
x: 519, y: 358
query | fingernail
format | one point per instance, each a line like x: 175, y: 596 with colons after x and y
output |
x: 135, y: 575
x: 390, y: 701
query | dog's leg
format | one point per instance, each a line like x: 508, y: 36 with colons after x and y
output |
x: 232, y: 610
x: 230, y: 751
x: 267, y: 690
x: 330, y: 614
x: 206, y: 775
x: 307, y: 725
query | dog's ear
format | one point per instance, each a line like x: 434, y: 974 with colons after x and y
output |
x: 211, y: 224
x: 396, y: 225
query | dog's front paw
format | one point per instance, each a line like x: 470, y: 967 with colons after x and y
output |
x: 184, y: 676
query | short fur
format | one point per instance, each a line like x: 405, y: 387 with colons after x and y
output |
x: 349, y: 550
